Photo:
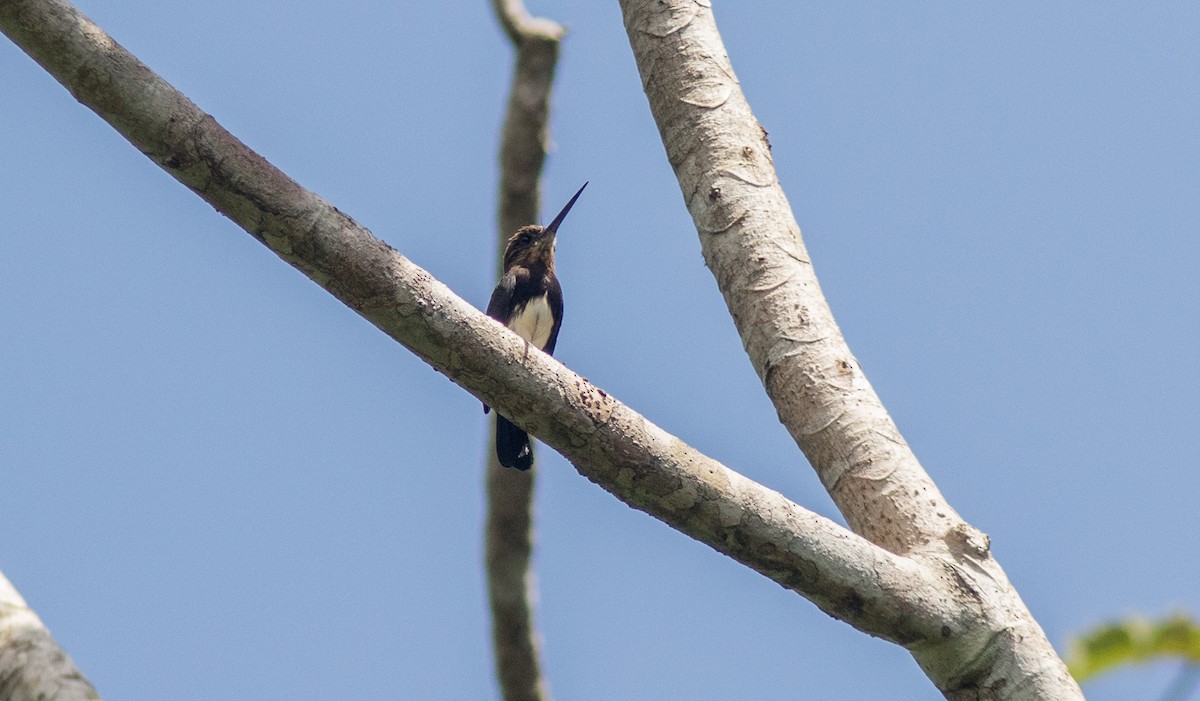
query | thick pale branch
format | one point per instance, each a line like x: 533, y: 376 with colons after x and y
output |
x: 752, y: 244
x: 510, y: 534
x: 610, y: 444
x: 32, y: 666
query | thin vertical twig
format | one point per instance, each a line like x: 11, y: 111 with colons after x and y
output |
x: 509, y: 536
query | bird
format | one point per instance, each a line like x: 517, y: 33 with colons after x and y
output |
x: 528, y: 300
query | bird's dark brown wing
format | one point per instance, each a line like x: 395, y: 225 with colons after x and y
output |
x: 500, y: 305
x: 554, y: 298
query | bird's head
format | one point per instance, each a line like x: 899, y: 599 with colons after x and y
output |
x: 535, y: 244
x: 530, y: 245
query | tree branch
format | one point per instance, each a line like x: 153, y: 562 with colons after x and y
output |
x: 509, y: 530
x: 752, y: 244
x: 610, y: 444
x: 520, y: 26
x: 32, y: 666
x: 947, y: 601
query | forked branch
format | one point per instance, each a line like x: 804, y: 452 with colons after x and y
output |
x: 752, y: 244
x: 933, y: 586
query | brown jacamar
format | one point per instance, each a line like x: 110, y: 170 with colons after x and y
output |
x: 528, y: 300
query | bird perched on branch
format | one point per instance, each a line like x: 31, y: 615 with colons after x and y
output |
x: 528, y: 300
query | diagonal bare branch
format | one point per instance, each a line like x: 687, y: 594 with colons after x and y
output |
x: 509, y: 530
x: 877, y: 591
x: 752, y: 244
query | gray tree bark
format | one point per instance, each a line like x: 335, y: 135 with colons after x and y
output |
x: 509, y: 537
x: 911, y: 571
x: 752, y: 245
x: 32, y: 666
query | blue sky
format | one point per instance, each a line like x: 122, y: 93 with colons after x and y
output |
x: 218, y: 482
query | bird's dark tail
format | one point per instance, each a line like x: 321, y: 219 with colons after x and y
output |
x: 512, y: 445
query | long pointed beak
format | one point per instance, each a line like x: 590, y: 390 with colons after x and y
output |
x: 553, y: 228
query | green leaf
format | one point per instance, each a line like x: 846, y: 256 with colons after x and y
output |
x: 1133, y: 641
